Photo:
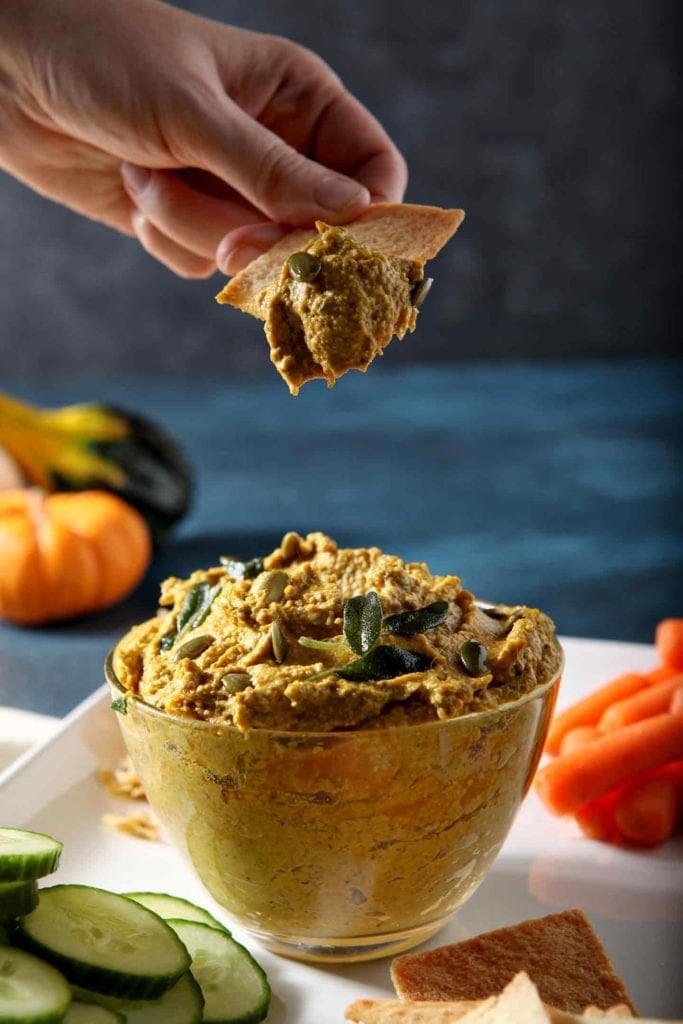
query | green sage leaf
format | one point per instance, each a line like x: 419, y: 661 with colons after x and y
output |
x: 384, y: 662
x: 362, y: 622
x: 120, y: 704
x: 196, y: 606
x: 237, y: 570
x: 416, y: 621
x: 253, y: 568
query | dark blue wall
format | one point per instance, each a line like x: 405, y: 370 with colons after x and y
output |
x: 550, y: 122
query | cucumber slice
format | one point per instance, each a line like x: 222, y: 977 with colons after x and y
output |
x: 103, y: 941
x: 86, y: 1013
x: 234, y: 986
x: 27, y: 854
x: 180, y: 1004
x: 174, y: 907
x: 17, y: 899
x: 31, y: 992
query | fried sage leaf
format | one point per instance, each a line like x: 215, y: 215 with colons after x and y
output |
x: 253, y: 568
x: 384, y: 662
x: 362, y: 622
x: 119, y: 704
x: 197, y: 605
x: 416, y: 621
x: 242, y: 570
x: 193, y: 611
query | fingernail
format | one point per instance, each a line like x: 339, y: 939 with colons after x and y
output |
x: 138, y: 220
x: 234, y: 253
x: 338, y: 193
x: 136, y: 179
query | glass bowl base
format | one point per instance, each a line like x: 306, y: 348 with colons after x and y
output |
x: 347, y: 950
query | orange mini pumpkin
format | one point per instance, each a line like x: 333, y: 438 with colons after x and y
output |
x: 63, y: 555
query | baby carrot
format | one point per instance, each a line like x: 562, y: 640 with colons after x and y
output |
x: 646, y: 814
x: 577, y: 738
x: 669, y: 642
x: 589, y: 710
x: 596, y: 819
x: 575, y: 779
x: 660, y: 674
x: 652, y: 701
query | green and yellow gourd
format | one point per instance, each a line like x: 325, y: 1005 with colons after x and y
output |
x: 101, y: 447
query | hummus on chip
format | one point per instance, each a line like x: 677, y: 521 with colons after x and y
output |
x: 332, y: 302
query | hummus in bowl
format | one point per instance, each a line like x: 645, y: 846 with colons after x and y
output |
x: 337, y: 740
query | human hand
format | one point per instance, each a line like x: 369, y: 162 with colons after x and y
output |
x: 203, y: 140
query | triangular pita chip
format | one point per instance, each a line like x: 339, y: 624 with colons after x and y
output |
x: 561, y: 953
x: 394, y: 1011
x: 393, y: 229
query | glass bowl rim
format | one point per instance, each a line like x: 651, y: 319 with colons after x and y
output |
x: 218, y: 727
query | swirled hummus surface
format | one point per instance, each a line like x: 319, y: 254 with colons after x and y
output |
x: 243, y: 664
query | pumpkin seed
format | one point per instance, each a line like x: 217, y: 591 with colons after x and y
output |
x: 193, y: 647
x: 263, y: 648
x: 304, y: 266
x: 279, y: 642
x: 236, y: 682
x: 322, y: 645
x: 474, y: 657
x: 420, y: 291
x: 290, y: 545
x: 418, y: 620
x: 271, y: 584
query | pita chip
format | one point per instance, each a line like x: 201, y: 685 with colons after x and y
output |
x: 332, y: 299
x: 406, y: 230
x: 394, y: 1011
x: 561, y: 953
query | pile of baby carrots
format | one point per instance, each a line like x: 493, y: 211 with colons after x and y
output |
x: 618, y: 754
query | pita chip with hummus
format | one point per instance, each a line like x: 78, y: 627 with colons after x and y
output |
x: 332, y: 299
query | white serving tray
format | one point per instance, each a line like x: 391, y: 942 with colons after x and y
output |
x: 634, y: 898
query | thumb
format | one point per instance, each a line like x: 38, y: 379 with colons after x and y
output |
x: 285, y: 185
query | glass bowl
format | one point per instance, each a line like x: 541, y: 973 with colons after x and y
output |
x: 339, y: 846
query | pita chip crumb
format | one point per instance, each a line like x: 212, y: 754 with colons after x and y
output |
x: 332, y: 299
x: 122, y: 781
x: 140, y: 824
